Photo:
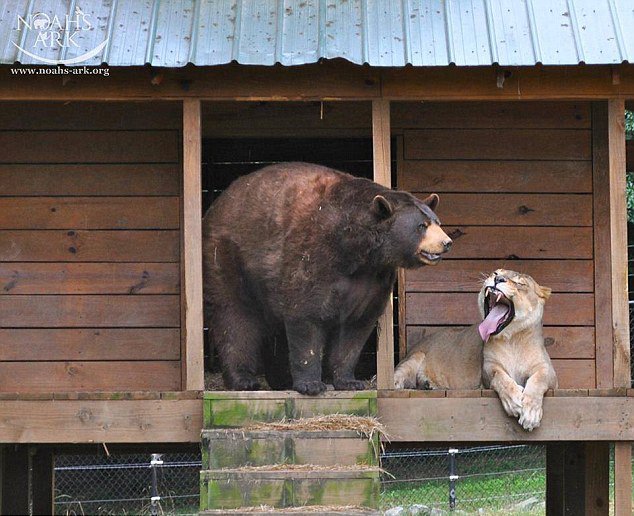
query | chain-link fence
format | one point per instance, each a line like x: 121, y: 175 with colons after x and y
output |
x: 485, y: 479
x: 475, y: 479
x: 127, y: 484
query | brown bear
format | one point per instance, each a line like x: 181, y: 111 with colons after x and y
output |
x: 304, y: 256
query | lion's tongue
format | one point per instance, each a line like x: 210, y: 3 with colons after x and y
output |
x: 492, y: 321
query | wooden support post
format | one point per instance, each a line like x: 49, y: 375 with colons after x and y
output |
x: 577, y: 478
x: 622, y: 479
x: 192, y: 331
x: 620, y: 307
x: 618, y: 233
x: 15, y: 480
x: 381, y: 142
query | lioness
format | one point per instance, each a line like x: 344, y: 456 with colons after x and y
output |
x: 505, y: 352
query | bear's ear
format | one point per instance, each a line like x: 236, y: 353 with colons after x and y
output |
x: 382, y: 207
x: 432, y: 201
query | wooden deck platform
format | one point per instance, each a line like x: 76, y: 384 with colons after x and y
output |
x: 425, y: 416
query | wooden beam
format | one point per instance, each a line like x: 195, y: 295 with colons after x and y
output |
x: 574, y: 418
x: 618, y: 233
x: 622, y: 478
x: 332, y: 80
x: 381, y: 143
x: 192, y: 352
x: 89, y: 421
x: 602, y: 243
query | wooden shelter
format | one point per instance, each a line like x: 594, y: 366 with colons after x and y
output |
x: 101, y: 195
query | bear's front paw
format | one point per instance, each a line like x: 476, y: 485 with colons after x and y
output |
x: 310, y: 387
x: 531, y: 412
x: 349, y: 385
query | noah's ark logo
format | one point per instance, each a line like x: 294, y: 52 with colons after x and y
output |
x: 55, y: 32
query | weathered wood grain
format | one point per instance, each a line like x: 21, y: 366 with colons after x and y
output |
x: 461, y: 308
x: 89, y: 146
x: 498, y: 209
x: 79, y: 421
x: 562, y: 341
x: 89, y: 246
x: 500, y: 242
x: 494, y: 144
x: 89, y: 311
x: 192, y: 295
x: 491, y: 115
x: 467, y: 275
x: 94, y: 179
x: 89, y: 213
x: 89, y: 278
x: 565, y: 419
x: 83, y: 344
x: 87, y: 376
x: 498, y: 176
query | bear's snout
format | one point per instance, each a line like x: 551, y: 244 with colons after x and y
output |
x: 434, y: 243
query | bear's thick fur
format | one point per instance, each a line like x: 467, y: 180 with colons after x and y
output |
x: 304, y: 256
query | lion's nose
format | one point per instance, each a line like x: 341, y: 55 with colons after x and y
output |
x: 499, y: 279
x: 447, y: 244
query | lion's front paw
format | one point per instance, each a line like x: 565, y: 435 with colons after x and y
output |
x: 531, y: 412
x: 399, y: 380
x: 512, y: 402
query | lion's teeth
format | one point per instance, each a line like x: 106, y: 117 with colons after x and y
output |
x: 498, y: 298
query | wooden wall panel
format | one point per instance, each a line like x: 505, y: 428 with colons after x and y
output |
x: 516, y: 192
x: 504, y: 242
x: 515, y: 144
x: 562, y: 341
x: 461, y: 308
x: 93, y: 179
x: 90, y: 229
x: 497, y: 176
x: 89, y: 278
x: 491, y: 115
x: 88, y: 311
x: 86, y: 376
x: 89, y: 213
x: 87, y: 344
x: 515, y: 209
x: 89, y: 147
x: 88, y: 246
x: 468, y: 275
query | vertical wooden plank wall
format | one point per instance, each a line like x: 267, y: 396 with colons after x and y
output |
x: 193, y: 368
x: 90, y: 246
x: 515, y: 183
x: 381, y: 139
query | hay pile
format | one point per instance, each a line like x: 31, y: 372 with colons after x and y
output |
x: 363, y: 425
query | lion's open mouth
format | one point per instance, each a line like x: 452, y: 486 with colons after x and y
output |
x: 498, y: 313
x: 429, y: 258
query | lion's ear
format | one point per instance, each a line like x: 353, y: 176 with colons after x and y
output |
x: 544, y: 292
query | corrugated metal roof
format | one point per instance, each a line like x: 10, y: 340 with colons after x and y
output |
x: 292, y: 32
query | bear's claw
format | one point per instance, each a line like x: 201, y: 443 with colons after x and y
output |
x: 245, y: 383
x: 310, y: 387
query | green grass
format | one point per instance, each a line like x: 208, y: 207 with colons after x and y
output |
x: 492, y: 494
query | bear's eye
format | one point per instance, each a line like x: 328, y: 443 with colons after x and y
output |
x: 422, y: 226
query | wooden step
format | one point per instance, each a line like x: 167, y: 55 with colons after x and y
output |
x: 236, y: 448
x: 232, y: 409
x: 239, y: 488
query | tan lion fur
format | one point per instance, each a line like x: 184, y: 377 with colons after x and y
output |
x: 514, y: 362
